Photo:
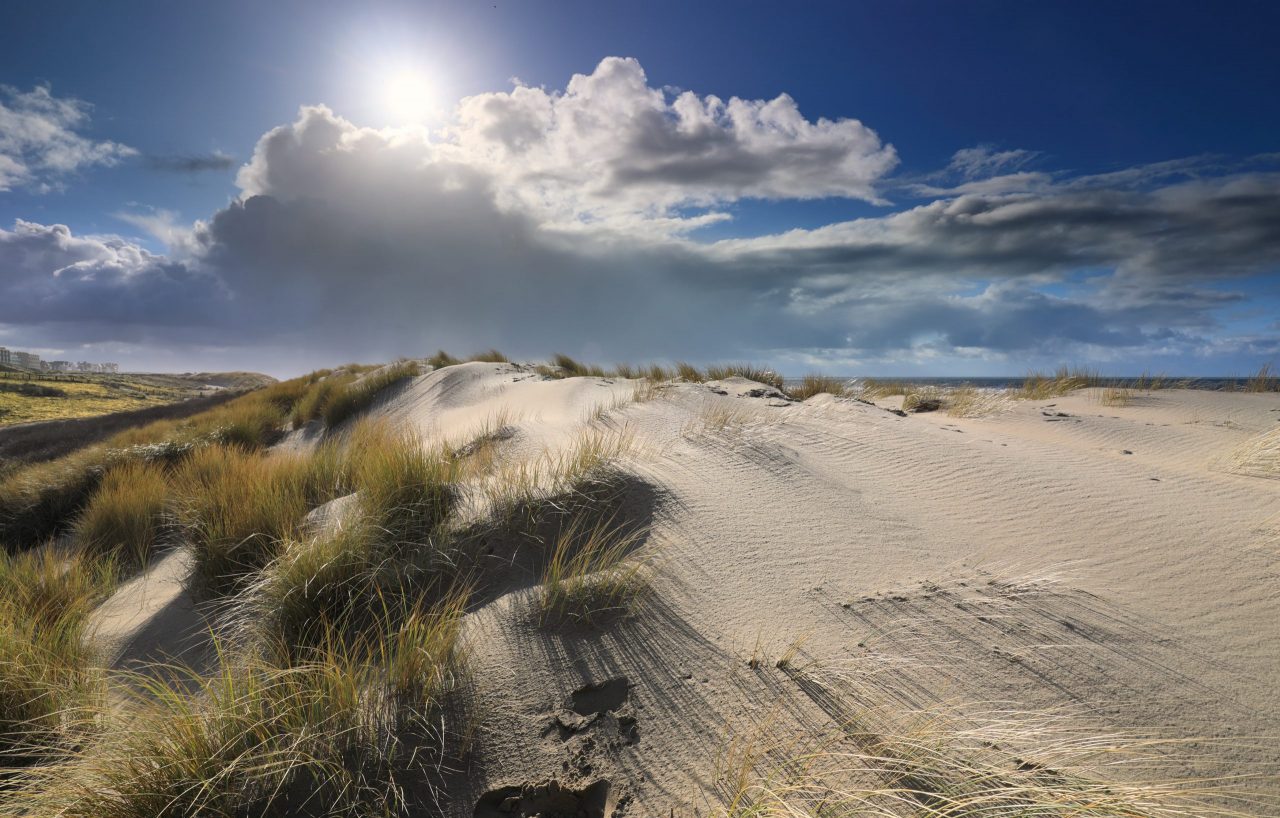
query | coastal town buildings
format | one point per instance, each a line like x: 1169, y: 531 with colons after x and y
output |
x: 32, y: 361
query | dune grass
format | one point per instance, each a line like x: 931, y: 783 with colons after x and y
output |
x: 924, y: 399
x: 391, y: 544
x: 1266, y: 380
x: 875, y: 388
x: 1115, y: 396
x: 342, y: 689
x: 313, y: 403
x: 340, y: 733
x: 576, y: 369
x: 490, y: 356
x: 686, y: 371
x: 237, y: 507
x: 588, y: 574
x: 751, y: 372
x: 815, y: 384
x: 884, y: 760
x: 128, y: 514
x: 1039, y: 386
x: 40, y: 500
x: 442, y: 359
x: 49, y: 687
x: 357, y: 396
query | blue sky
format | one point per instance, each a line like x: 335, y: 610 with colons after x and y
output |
x: 947, y: 237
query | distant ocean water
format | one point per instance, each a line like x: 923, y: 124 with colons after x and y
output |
x: 1214, y: 383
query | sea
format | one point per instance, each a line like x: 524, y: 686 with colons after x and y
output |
x: 1220, y: 384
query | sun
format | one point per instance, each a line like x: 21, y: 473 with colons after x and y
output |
x: 408, y: 95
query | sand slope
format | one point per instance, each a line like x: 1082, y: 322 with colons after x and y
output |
x: 1060, y: 554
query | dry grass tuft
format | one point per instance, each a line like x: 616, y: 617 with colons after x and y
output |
x: 720, y: 417
x: 875, y: 388
x: 686, y: 371
x: 1039, y: 386
x: 924, y: 399
x: 442, y: 359
x: 819, y: 385
x: 1115, y: 396
x: 128, y: 515
x: 237, y: 507
x: 588, y: 574
x: 882, y: 760
x: 971, y: 402
x: 1257, y: 457
x: 575, y: 369
x: 355, y: 397
x: 49, y: 687
x: 490, y: 356
x: 1265, y: 381
x: 751, y: 372
x: 331, y: 735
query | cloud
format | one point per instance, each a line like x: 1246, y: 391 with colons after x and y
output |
x: 610, y: 145
x: 984, y: 161
x: 39, y: 142
x: 99, y: 287
x: 191, y: 163
x: 160, y: 224
x: 542, y: 221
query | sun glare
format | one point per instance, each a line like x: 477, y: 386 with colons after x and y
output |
x: 408, y: 95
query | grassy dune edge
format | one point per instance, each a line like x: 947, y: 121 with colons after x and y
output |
x: 342, y: 562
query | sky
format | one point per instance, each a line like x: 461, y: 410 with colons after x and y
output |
x: 860, y: 188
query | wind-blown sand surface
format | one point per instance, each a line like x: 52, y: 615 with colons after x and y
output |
x: 1121, y: 564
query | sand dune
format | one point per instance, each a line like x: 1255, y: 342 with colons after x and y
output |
x: 1116, y: 564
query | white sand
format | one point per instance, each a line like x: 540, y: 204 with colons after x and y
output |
x: 1059, y: 554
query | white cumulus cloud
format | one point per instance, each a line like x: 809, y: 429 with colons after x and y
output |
x: 40, y: 140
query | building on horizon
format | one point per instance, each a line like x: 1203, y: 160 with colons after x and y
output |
x: 58, y: 366
x: 27, y: 360
x: 6, y: 357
